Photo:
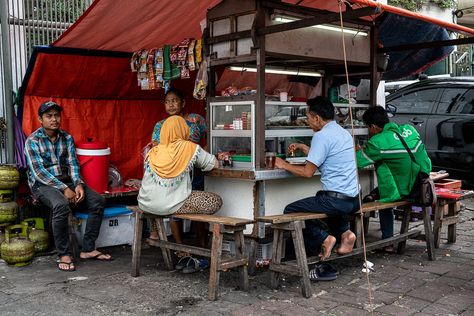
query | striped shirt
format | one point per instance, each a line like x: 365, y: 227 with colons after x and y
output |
x: 47, y: 160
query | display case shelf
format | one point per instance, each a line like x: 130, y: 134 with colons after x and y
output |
x: 285, y: 123
x: 231, y: 133
x: 354, y: 105
x: 297, y: 132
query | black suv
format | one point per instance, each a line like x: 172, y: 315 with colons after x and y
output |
x: 442, y: 111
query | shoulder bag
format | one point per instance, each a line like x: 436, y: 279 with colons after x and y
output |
x: 423, y: 192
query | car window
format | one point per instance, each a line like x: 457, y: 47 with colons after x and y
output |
x: 457, y: 101
x: 419, y: 101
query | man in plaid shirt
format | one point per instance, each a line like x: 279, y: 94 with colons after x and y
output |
x: 53, y: 176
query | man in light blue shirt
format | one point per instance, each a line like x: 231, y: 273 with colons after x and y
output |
x: 332, y: 152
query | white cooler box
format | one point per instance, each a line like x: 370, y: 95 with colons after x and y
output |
x: 116, y: 229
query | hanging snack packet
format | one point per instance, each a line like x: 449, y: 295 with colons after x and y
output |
x: 184, y: 71
x: 150, y: 69
x: 198, y: 50
x: 143, y: 58
x: 158, y: 64
x: 134, y: 62
x: 174, y: 54
x: 191, y: 63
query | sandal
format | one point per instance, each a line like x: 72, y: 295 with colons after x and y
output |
x: 387, y: 250
x: 320, y: 274
x: 100, y: 257
x: 195, y: 265
x: 70, y: 266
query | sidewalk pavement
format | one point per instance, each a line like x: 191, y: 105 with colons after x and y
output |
x: 405, y: 284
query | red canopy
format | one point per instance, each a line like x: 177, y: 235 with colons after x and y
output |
x: 127, y: 26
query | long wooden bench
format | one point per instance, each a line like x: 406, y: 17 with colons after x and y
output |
x: 294, y: 223
x: 218, y: 225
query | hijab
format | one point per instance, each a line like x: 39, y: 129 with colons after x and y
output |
x: 171, y: 157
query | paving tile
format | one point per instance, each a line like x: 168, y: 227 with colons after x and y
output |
x: 455, y: 283
x: 430, y: 292
x: 297, y: 310
x: 319, y: 304
x: 394, y: 309
x: 465, y: 272
x: 412, y: 303
x: 437, y: 309
x: 459, y: 299
x: 402, y: 285
x: 251, y: 311
x: 347, y: 310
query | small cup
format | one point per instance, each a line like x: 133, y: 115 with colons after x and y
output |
x: 270, y: 160
x: 283, y: 96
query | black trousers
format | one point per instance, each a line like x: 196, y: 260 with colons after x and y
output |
x: 93, y: 204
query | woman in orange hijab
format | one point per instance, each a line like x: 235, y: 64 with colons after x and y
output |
x: 166, y: 185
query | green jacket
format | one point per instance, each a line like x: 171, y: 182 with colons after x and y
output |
x: 396, y: 173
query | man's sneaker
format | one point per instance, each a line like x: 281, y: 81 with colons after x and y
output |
x: 196, y: 265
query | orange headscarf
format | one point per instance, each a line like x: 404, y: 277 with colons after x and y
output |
x: 172, y: 155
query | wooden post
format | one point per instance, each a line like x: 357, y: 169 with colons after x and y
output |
x: 162, y: 235
x: 277, y: 249
x: 452, y: 208
x: 374, y: 75
x: 137, y: 244
x: 240, y: 253
x: 428, y: 234
x: 438, y: 218
x: 216, y: 252
x: 260, y: 102
x: 404, y: 228
x: 300, y: 252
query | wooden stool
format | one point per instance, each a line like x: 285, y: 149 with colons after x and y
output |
x: 219, y: 225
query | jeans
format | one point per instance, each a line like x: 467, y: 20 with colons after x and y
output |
x: 385, y: 215
x: 386, y: 222
x: 314, y: 233
x: 93, y: 204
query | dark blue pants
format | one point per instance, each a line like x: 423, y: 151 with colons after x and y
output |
x: 314, y: 233
x: 386, y: 222
x: 93, y: 204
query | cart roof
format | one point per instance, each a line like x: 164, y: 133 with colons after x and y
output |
x: 127, y: 26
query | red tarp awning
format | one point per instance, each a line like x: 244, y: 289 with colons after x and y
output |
x: 124, y: 25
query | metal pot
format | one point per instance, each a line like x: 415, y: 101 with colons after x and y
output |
x: 17, y: 249
x: 6, y: 196
x: 37, y: 234
x: 8, y: 212
x: 9, y: 177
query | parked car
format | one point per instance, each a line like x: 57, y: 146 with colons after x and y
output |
x: 442, y: 111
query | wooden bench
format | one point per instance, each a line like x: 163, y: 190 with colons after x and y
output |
x: 218, y: 225
x: 294, y: 223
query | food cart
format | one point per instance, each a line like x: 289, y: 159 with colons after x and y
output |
x: 254, y: 34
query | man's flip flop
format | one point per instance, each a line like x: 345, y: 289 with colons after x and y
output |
x: 70, y: 266
x: 97, y: 257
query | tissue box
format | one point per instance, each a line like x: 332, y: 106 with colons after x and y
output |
x: 116, y: 229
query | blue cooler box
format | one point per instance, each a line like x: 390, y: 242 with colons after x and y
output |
x: 116, y: 229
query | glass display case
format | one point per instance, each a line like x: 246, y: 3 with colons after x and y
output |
x: 285, y: 123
